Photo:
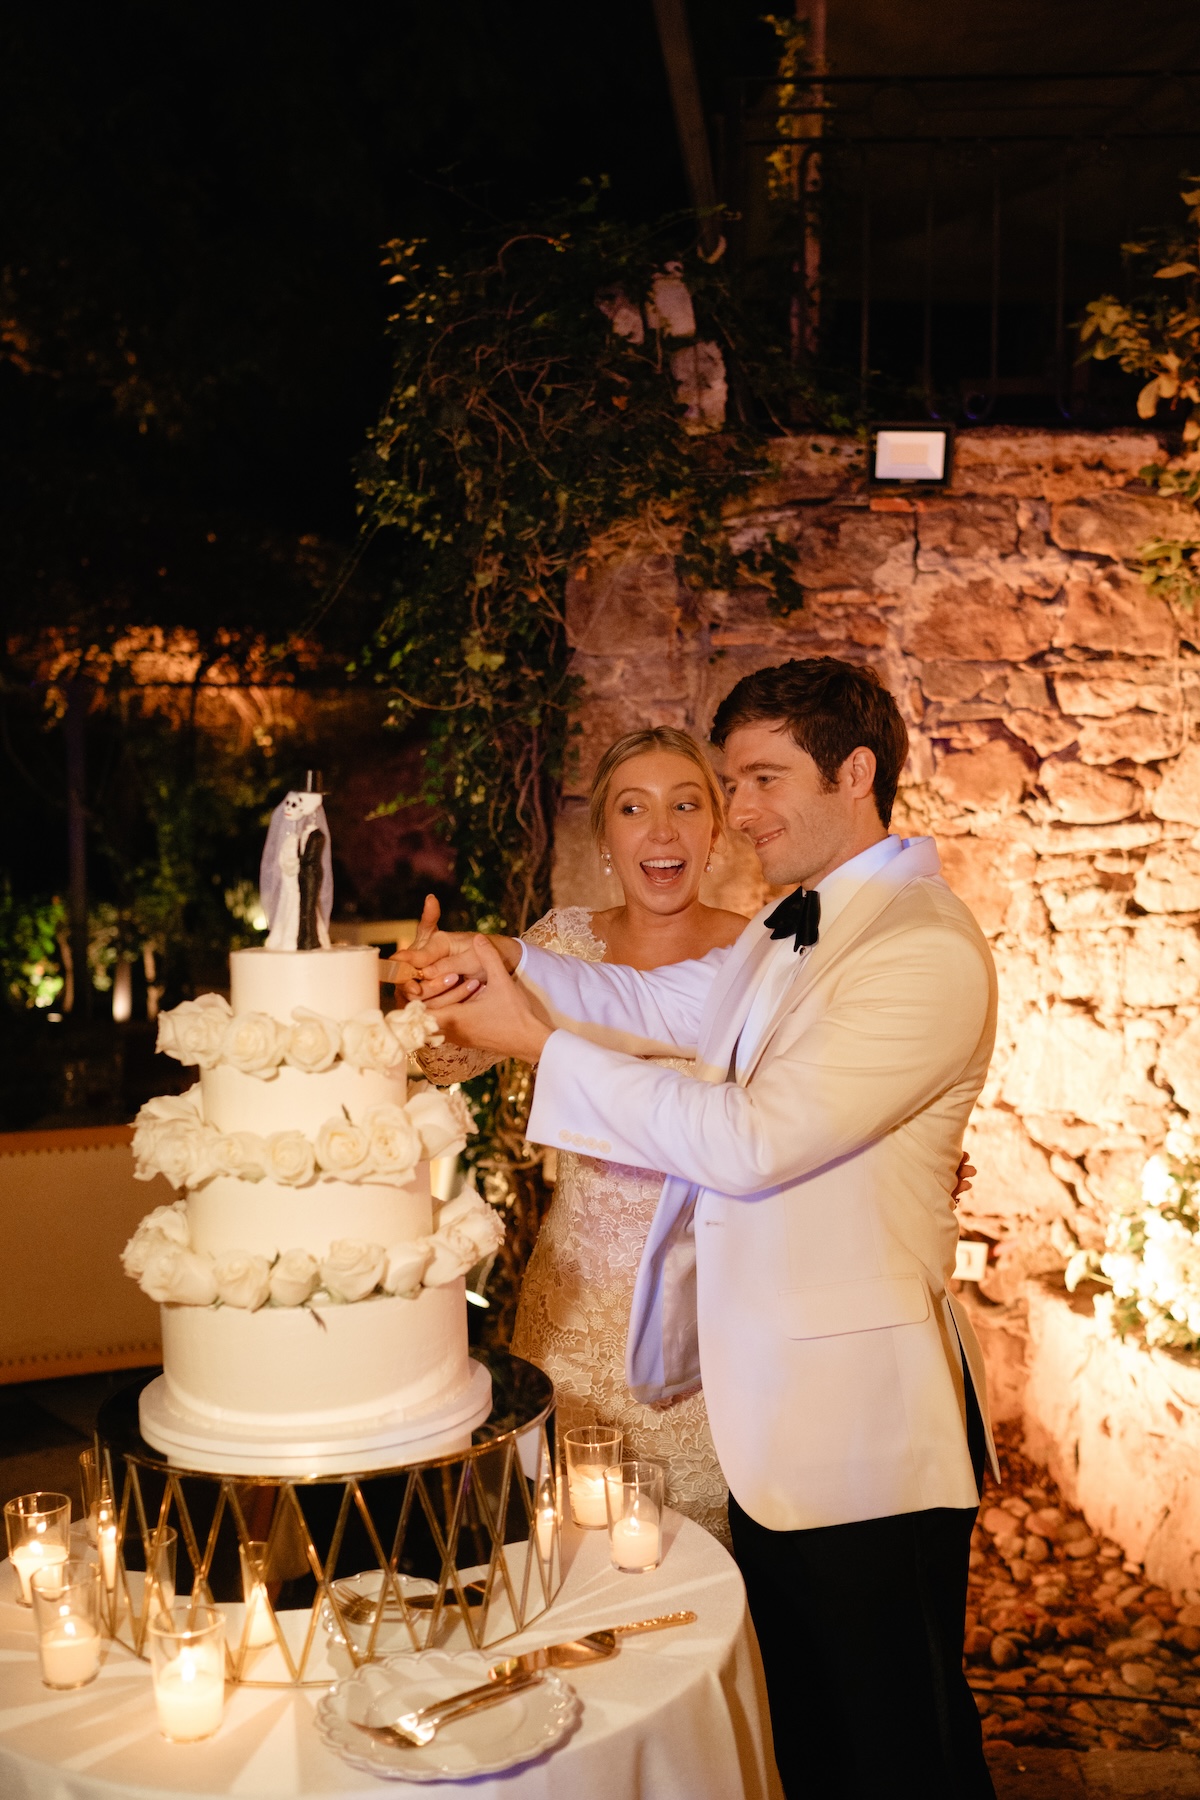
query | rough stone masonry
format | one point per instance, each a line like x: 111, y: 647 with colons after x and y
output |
x: 1052, y: 702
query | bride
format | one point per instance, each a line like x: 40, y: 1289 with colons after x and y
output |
x: 656, y: 812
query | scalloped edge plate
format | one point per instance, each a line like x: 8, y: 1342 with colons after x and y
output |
x: 486, y: 1743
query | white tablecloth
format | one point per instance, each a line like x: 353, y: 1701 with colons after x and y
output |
x: 675, y: 1715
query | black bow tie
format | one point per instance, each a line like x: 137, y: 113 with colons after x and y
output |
x: 799, y: 916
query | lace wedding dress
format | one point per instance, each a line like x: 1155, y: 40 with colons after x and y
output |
x: 573, y: 1311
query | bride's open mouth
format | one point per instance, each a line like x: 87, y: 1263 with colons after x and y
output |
x: 662, y: 871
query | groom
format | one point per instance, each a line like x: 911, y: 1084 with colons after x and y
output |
x: 800, y: 1252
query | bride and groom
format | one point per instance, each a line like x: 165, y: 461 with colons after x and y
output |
x: 798, y: 1095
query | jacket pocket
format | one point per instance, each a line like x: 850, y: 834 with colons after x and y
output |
x: 845, y: 1306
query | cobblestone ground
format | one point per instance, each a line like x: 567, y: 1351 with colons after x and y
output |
x: 1067, y: 1645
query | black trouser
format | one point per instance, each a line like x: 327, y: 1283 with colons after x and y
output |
x: 861, y: 1632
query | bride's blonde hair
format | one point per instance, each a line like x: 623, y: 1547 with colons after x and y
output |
x: 637, y: 743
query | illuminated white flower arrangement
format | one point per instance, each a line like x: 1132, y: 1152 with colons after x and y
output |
x: 159, y: 1257
x: 171, y: 1137
x: 204, y: 1032
x: 1151, y: 1256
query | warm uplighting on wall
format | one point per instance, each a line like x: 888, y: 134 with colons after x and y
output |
x: 122, y: 993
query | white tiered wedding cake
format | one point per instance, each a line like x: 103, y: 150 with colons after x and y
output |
x: 313, y: 1306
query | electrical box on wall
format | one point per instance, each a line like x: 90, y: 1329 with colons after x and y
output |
x: 971, y: 1262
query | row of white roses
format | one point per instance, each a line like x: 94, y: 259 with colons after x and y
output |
x: 171, y: 1138
x: 207, y: 1031
x: 160, y: 1258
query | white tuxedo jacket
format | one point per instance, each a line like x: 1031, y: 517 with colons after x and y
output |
x: 805, y: 1233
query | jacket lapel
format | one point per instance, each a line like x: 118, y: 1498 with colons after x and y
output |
x: 916, y: 862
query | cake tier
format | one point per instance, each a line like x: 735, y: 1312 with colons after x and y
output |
x: 292, y: 1100
x: 322, y: 1367
x: 340, y: 982
x: 266, y: 1218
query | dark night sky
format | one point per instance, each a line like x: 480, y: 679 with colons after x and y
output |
x: 203, y: 189
x: 192, y: 199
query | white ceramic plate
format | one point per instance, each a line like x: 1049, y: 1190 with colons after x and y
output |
x: 501, y: 1737
x: 393, y: 1634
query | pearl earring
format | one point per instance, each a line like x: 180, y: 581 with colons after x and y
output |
x: 708, y: 868
x: 608, y: 868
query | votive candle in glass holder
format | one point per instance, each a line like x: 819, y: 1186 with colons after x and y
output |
x: 187, y: 1662
x: 589, y: 1450
x: 66, y: 1617
x: 89, y: 1487
x: 106, y: 1538
x: 160, y: 1570
x: 39, y: 1534
x: 633, y: 1492
x: 545, y: 1517
x: 258, y: 1629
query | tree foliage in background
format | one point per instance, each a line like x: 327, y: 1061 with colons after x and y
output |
x: 30, y: 963
x: 520, y: 433
x: 522, y: 437
x: 1157, y: 334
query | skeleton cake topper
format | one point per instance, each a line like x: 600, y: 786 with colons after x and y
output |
x: 295, y: 880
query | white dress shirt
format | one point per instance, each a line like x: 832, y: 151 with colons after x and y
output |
x: 837, y: 890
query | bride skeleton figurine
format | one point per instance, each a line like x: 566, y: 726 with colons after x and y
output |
x: 295, y: 880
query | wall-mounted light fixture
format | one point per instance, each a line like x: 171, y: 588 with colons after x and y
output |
x: 912, y: 453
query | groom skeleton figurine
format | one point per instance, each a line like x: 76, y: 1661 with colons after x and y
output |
x: 799, y: 1255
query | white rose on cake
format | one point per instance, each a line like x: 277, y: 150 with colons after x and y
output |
x: 443, y: 1120
x: 187, y: 1153
x: 413, y: 1027
x: 468, y: 1229
x: 242, y: 1153
x: 314, y: 1041
x: 170, y: 1138
x: 352, y: 1270
x: 194, y: 1031
x: 290, y: 1158
x: 165, y: 1228
x: 343, y: 1150
x: 395, y: 1142
x: 179, y: 1277
x: 293, y: 1278
x: 368, y: 1044
x: 242, y: 1280
x: 255, y: 1044
x: 406, y: 1266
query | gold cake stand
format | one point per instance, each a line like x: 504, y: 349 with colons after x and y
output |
x: 470, y: 1535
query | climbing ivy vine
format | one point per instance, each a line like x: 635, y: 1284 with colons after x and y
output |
x: 539, y: 410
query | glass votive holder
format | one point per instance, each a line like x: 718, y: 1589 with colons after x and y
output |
x: 89, y: 1488
x: 39, y: 1534
x: 258, y: 1628
x: 545, y: 1516
x: 633, y: 1493
x: 106, y: 1538
x: 589, y: 1450
x: 160, y: 1570
x: 66, y: 1618
x: 187, y: 1663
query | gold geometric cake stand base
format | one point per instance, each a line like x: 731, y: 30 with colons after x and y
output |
x: 470, y: 1536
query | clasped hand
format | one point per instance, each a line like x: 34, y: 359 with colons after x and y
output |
x: 464, y: 979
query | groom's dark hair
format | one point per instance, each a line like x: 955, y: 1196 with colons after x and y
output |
x: 830, y: 708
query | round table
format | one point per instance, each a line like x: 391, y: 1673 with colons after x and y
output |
x: 676, y: 1715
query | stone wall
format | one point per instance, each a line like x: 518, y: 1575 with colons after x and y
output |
x: 1051, y: 699
x: 1118, y: 1427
